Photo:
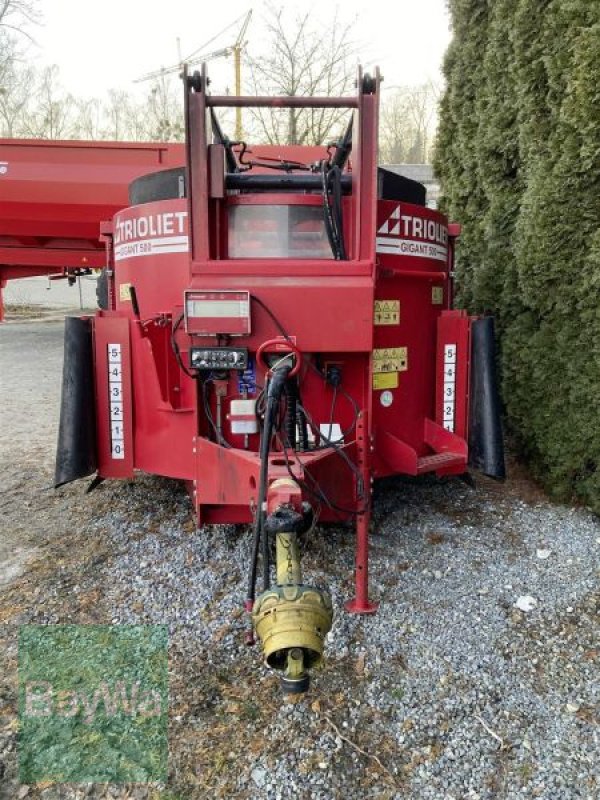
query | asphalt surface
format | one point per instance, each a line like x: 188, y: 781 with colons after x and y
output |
x: 30, y: 380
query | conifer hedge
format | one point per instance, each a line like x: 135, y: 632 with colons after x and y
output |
x: 518, y: 155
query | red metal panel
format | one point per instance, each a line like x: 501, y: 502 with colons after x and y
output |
x: 151, y: 253
x: 329, y: 314
x: 277, y: 267
x: 411, y: 246
x: 66, y: 188
x: 228, y: 478
x: 165, y: 403
x: 112, y: 353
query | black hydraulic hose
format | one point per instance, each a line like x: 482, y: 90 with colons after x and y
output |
x: 335, y: 176
x: 258, y: 532
x: 265, y: 446
x: 344, y: 146
x: 329, y: 226
x: 274, y: 392
x: 332, y: 210
x: 254, y: 562
x: 302, y: 429
x: 230, y: 159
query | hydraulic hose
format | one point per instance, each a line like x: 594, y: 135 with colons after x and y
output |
x: 332, y: 210
x: 274, y: 392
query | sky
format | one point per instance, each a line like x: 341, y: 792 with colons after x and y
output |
x: 108, y: 44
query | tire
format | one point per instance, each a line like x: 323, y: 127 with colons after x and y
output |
x: 168, y: 184
x: 102, y: 290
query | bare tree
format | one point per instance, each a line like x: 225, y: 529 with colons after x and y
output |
x: 407, y: 124
x: 117, y: 114
x: 304, y: 55
x: 15, y: 94
x: 165, y: 111
x: 16, y: 16
x: 87, y: 119
x: 50, y: 117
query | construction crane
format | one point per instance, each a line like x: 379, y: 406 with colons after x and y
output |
x: 199, y: 56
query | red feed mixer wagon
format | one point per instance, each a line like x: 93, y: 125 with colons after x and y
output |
x: 280, y: 335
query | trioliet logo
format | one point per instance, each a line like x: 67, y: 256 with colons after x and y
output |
x: 165, y: 232
x: 407, y: 234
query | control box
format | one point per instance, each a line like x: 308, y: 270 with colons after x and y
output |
x: 206, y: 358
x: 217, y: 313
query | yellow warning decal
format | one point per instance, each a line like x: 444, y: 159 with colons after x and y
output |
x: 390, y: 359
x: 124, y: 293
x: 387, y: 312
x: 437, y: 295
x: 385, y: 380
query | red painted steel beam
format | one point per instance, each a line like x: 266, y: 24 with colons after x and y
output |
x: 230, y: 101
x: 16, y: 262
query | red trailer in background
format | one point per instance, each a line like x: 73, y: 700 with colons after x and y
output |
x: 55, y: 194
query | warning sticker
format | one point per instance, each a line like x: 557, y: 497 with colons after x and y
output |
x: 247, y: 379
x: 385, y: 380
x: 437, y: 295
x: 124, y: 292
x: 390, y: 359
x: 387, y: 312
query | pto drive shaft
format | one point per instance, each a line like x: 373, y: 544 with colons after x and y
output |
x: 291, y: 619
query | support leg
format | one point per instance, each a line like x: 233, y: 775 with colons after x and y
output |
x: 2, y: 286
x: 361, y: 604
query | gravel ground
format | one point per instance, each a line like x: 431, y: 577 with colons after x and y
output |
x: 450, y: 691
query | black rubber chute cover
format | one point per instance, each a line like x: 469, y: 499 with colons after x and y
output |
x: 486, y: 445
x: 167, y: 184
x: 76, y: 455
x: 391, y: 186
